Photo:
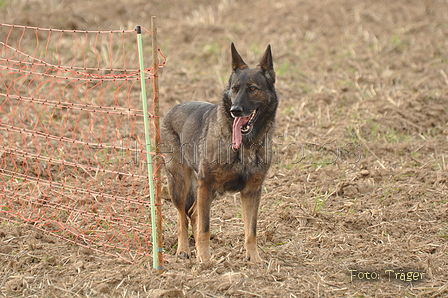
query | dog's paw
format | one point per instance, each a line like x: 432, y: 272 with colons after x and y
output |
x: 260, y: 263
x: 204, y: 258
x: 203, y: 254
x: 255, y: 258
x: 183, y: 254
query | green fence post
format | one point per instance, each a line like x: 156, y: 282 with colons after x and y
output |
x: 155, y: 245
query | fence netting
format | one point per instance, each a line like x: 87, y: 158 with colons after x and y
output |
x: 72, y: 140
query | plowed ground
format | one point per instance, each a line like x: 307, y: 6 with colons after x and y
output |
x: 359, y: 179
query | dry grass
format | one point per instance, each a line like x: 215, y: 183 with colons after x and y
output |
x: 363, y: 88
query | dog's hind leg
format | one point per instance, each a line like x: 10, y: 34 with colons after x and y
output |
x: 183, y: 249
x: 179, y: 187
x: 193, y: 214
x: 250, y: 200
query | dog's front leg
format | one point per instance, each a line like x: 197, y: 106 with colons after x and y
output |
x: 250, y: 200
x: 202, y: 218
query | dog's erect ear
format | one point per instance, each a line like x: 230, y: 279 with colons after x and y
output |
x: 237, y: 61
x: 267, y: 65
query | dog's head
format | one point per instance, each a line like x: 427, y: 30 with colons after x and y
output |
x: 251, y: 92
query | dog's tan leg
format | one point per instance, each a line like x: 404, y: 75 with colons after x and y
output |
x: 202, y: 221
x: 250, y: 202
x: 183, y: 249
x: 179, y: 185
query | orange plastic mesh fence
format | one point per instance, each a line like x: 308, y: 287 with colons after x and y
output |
x: 72, y: 154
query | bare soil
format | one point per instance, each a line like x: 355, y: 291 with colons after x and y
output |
x: 358, y: 187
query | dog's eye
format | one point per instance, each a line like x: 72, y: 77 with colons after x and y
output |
x: 252, y: 88
x: 234, y: 88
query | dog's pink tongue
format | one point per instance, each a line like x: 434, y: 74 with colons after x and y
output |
x: 237, y: 137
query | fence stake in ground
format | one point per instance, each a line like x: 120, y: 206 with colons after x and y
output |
x: 148, y: 147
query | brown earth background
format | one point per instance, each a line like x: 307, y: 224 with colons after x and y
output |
x: 359, y: 180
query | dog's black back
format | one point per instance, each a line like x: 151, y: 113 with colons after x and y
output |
x: 219, y: 148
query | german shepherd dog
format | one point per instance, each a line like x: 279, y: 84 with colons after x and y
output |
x: 222, y: 148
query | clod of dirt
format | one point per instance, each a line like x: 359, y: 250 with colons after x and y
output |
x: 52, y: 261
x: 85, y: 251
x: 347, y: 189
x: 224, y: 286
x: 364, y: 173
x: 37, y: 234
x: 172, y: 293
x: 78, y: 265
x: 18, y: 231
x: 6, y: 249
x: 103, y: 288
x: 15, y: 285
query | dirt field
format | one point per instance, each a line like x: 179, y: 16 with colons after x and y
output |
x: 356, y: 202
